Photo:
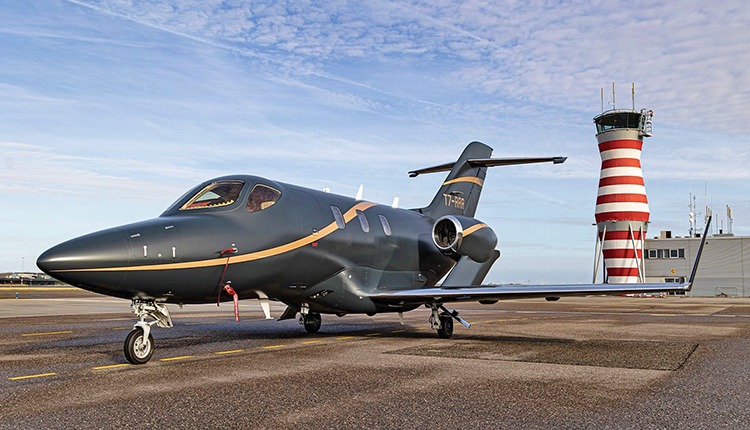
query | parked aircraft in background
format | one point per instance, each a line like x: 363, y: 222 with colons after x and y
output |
x: 246, y: 237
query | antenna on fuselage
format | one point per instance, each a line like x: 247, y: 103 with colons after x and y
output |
x: 394, y: 205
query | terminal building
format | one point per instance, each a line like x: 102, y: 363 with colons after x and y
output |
x: 724, y: 268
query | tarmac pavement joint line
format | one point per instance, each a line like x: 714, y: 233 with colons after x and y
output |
x: 39, y: 375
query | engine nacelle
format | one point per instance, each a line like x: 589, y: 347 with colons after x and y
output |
x: 464, y: 236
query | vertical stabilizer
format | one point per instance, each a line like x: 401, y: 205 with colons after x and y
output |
x: 459, y: 194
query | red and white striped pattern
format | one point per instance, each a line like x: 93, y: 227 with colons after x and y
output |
x: 621, y: 197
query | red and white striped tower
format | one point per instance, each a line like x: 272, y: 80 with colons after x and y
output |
x: 622, y: 212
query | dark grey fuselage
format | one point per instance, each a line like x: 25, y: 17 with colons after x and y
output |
x: 293, y: 251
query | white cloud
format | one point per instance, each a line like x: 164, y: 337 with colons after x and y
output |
x: 134, y: 94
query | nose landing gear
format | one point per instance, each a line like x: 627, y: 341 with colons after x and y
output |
x: 139, y: 344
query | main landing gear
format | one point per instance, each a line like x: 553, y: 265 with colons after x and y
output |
x: 139, y: 345
x: 311, y: 320
x: 442, y: 322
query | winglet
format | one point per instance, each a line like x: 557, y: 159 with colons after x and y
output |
x: 698, y: 255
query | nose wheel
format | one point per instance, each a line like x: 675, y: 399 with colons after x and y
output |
x: 139, y: 345
x: 138, y: 348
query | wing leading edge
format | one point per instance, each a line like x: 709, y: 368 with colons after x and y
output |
x: 507, y: 292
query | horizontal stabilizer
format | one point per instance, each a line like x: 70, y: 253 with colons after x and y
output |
x: 489, y: 162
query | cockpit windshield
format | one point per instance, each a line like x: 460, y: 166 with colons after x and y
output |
x: 214, y: 195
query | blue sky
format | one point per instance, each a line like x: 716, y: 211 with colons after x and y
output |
x: 110, y: 110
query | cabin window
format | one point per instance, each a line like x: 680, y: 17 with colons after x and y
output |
x: 338, y: 217
x: 363, y: 221
x: 386, y: 225
x: 262, y: 197
x: 214, y: 195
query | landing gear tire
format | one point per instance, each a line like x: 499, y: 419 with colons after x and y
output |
x: 137, y: 350
x: 446, y: 327
x: 312, y: 322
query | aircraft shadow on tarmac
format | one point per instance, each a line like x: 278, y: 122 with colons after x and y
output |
x: 631, y: 354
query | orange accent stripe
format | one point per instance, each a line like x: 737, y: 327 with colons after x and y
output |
x: 474, y: 228
x: 281, y: 249
x: 472, y: 179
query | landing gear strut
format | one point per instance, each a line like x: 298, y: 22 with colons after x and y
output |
x: 442, y: 322
x: 139, y: 345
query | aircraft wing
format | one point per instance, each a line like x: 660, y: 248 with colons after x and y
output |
x: 451, y: 293
x: 517, y: 291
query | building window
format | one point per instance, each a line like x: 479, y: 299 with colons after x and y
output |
x: 338, y: 217
x: 651, y: 253
x: 363, y: 221
x: 672, y: 253
x: 386, y: 225
x: 681, y: 252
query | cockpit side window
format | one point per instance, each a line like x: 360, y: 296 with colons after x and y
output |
x: 262, y: 197
x: 215, y: 194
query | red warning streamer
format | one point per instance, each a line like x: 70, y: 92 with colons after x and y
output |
x: 229, y: 252
x: 228, y: 288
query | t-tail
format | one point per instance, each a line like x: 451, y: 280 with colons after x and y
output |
x: 459, y: 193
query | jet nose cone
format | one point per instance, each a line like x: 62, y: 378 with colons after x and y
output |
x: 88, y: 260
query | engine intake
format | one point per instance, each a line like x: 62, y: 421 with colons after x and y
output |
x: 459, y: 235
